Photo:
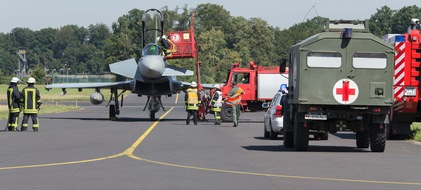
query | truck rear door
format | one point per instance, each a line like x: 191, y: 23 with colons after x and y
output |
x: 368, y: 74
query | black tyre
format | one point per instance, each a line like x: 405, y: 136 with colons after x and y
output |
x: 273, y: 135
x: 301, y: 135
x: 112, y: 113
x: 324, y: 136
x: 266, y: 133
x: 226, y: 113
x: 289, y: 139
x: 377, y: 138
x: 363, y: 139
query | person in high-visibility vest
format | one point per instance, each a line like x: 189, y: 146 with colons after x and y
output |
x: 31, y: 102
x: 13, y: 100
x: 192, y: 102
x: 216, y: 104
x: 234, y: 100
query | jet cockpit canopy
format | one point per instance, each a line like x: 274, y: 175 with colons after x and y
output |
x: 152, y: 26
x: 152, y: 49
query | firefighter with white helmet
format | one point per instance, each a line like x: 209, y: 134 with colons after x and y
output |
x: 191, y: 97
x: 13, y: 100
x: 216, y: 104
x: 167, y: 45
x: 31, y: 102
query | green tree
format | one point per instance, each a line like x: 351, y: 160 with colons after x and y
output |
x: 381, y: 21
x: 212, y: 42
x: 38, y: 73
x: 125, y: 42
x: 403, y: 17
x: 212, y: 16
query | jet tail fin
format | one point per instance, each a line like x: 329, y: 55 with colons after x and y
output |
x: 125, y: 68
x: 176, y: 71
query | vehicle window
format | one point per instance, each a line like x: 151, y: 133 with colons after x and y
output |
x: 245, y: 78
x: 324, y: 59
x: 369, y: 60
x: 241, y: 78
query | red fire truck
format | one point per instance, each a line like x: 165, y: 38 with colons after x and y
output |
x: 260, y: 84
x: 407, y: 86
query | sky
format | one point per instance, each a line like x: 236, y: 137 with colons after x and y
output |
x: 38, y: 14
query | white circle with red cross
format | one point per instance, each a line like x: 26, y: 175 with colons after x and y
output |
x: 345, y: 91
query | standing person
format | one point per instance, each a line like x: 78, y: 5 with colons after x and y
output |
x: 234, y: 100
x: 13, y: 100
x: 167, y: 45
x: 31, y: 102
x: 192, y: 103
x: 286, y: 113
x: 216, y: 104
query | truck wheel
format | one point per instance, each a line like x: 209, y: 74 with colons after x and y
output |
x: 289, y: 139
x: 301, y: 135
x: 377, y: 138
x: 324, y: 136
x: 362, y: 138
x: 226, y: 113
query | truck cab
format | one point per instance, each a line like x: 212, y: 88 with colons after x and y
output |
x: 260, y: 84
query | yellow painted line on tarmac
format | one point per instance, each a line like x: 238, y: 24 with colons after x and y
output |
x: 130, y: 150
x: 127, y: 152
x: 176, y: 98
x: 274, y: 175
x: 62, y: 163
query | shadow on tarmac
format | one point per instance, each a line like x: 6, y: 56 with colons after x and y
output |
x: 311, y: 148
x: 120, y: 119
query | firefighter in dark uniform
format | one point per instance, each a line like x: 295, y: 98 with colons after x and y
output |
x: 286, y: 113
x: 31, y: 102
x: 192, y: 103
x: 167, y: 45
x: 13, y: 100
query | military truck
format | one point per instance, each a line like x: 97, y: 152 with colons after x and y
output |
x: 340, y: 80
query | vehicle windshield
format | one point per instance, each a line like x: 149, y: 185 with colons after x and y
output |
x: 152, y: 22
x: 151, y: 49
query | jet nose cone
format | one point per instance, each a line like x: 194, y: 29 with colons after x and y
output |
x: 151, y: 66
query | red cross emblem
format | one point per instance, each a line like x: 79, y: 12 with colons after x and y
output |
x: 345, y: 91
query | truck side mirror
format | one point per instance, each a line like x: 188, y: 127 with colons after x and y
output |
x: 282, y: 65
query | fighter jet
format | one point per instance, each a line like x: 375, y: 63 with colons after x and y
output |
x: 152, y: 76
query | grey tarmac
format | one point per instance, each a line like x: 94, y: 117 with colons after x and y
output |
x: 84, y: 150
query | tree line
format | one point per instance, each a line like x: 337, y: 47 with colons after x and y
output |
x: 223, y: 40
